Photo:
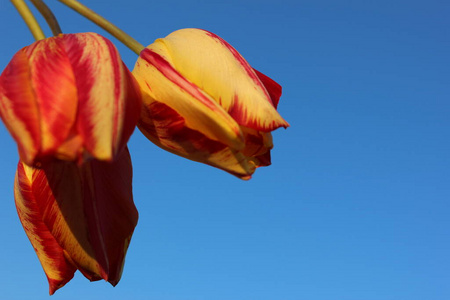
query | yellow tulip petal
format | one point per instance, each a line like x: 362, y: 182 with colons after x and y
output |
x: 219, y: 70
x: 159, y: 80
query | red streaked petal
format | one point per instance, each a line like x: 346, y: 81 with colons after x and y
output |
x: 159, y: 80
x: 109, y: 100
x: 18, y: 107
x: 167, y: 129
x: 219, y: 70
x: 58, y: 269
x: 89, y: 212
x: 53, y: 83
x: 272, y: 87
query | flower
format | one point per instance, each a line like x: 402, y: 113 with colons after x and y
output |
x: 69, y: 97
x: 71, y: 105
x: 78, y: 217
x: 204, y: 102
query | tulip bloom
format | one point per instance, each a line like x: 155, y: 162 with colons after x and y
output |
x: 203, y: 101
x: 78, y: 217
x: 69, y: 97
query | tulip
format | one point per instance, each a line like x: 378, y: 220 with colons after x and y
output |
x: 78, y: 217
x: 69, y: 97
x: 204, y: 102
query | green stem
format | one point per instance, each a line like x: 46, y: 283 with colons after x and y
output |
x: 127, y: 40
x: 29, y: 19
x: 48, y: 16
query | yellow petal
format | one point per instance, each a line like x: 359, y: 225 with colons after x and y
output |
x: 159, y: 80
x: 219, y: 70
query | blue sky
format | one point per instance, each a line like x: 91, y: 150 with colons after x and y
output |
x: 355, y: 205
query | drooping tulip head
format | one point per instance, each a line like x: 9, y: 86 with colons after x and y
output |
x: 69, y: 97
x: 203, y: 101
x: 78, y: 216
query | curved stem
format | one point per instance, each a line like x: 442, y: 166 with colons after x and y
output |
x: 48, y: 16
x: 127, y: 40
x: 29, y: 19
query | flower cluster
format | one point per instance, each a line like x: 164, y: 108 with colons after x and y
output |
x: 71, y: 105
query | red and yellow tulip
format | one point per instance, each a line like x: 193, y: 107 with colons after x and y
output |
x: 78, y: 217
x: 71, y: 105
x: 69, y: 97
x: 203, y: 101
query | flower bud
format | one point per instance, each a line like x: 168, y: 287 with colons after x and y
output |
x: 69, y: 97
x: 203, y: 101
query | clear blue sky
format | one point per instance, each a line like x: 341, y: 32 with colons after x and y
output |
x: 356, y: 203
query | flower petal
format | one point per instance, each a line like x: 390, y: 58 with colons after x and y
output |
x: 159, y: 80
x: 109, y: 101
x: 57, y: 267
x: 272, y: 87
x: 88, y: 210
x: 167, y: 129
x: 108, y: 190
x: 218, y: 69
x: 257, y: 146
x: 54, y: 89
x: 18, y: 108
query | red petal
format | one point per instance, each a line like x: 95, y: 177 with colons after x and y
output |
x: 58, y: 269
x: 53, y: 83
x: 257, y: 146
x: 113, y: 212
x: 18, y: 107
x: 168, y: 130
x: 272, y: 87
